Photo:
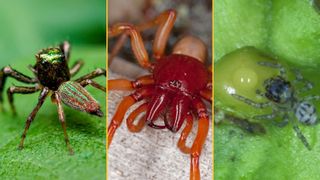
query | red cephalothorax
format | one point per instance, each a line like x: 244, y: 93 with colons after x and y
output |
x: 178, y: 79
x: 174, y: 89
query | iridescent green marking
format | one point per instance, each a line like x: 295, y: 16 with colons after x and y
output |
x: 53, y: 55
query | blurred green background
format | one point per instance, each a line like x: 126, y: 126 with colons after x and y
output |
x: 27, y: 27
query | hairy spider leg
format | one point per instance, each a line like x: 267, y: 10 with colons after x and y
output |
x: 10, y: 72
x: 45, y: 91
x: 184, y: 135
x: 250, y: 102
x: 122, y: 109
x: 94, y: 84
x: 276, y: 66
x: 96, y: 73
x: 124, y: 84
x: 130, y: 120
x: 203, y: 128
x: 311, y: 98
x: 63, y: 123
x: 19, y: 90
x: 75, y: 68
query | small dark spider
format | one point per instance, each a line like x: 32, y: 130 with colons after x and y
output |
x: 283, y: 99
x: 53, y: 76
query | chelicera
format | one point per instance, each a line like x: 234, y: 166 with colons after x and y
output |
x: 174, y: 90
x: 52, y: 76
x: 284, y: 100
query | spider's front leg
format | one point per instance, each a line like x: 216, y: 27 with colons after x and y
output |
x: 124, y: 84
x: 32, y: 115
x: 9, y: 72
x: 19, y: 90
x: 250, y: 102
x: 76, y: 67
x: 164, y: 21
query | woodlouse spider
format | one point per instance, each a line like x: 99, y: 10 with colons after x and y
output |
x: 174, y: 89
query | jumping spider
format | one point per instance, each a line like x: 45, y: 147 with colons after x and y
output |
x: 283, y: 99
x: 52, y: 76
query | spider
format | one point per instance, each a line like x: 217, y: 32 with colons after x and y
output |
x: 52, y: 76
x: 283, y: 99
x: 174, y: 89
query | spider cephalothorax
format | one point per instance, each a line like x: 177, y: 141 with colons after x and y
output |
x: 278, y: 90
x: 174, y: 90
x: 283, y: 100
x: 53, y: 76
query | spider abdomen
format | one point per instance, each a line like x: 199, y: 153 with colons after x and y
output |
x: 306, y: 113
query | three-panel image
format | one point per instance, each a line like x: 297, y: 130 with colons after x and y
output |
x: 155, y: 89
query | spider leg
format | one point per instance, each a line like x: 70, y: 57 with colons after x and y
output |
x: 300, y: 135
x: 265, y: 116
x: 9, y: 72
x: 65, y: 46
x: 122, y: 109
x: 117, y: 47
x: 123, y: 84
x: 137, y: 45
x: 86, y: 82
x: 299, y: 78
x: 206, y: 94
x: 96, y: 73
x: 184, y: 135
x: 76, y: 67
x: 137, y: 128
x: 32, y: 115
x: 63, y: 123
x: 165, y: 22
x: 311, y: 98
x: 284, y: 122
x: 203, y: 128
x: 250, y: 102
x: 20, y: 90
x: 274, y: 65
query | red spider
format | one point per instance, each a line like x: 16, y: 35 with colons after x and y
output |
x: 173, y: 90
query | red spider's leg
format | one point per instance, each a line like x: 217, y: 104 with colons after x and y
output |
x: 123, y: 107
x: 137, y: 128
x: 184, y: 135
x: 136, y: 42
x: 165, y: 22
x: 206, y: 94
x: 123, y: 84
x: 203, y: 127
x: 117, y: 47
